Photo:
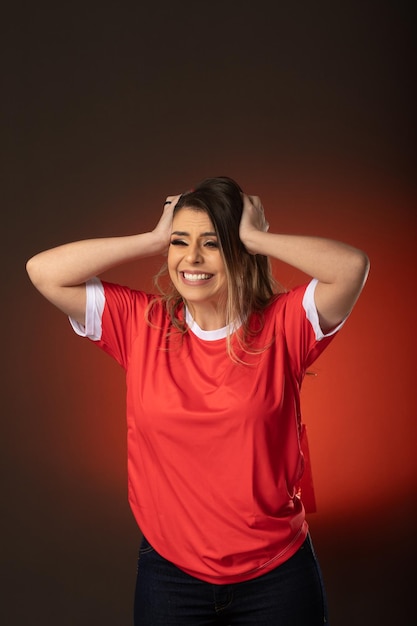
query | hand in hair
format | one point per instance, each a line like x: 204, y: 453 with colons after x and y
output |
x: 163, y: 228
x: 253, y: 219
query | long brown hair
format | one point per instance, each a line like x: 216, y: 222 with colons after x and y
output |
x: 250, y: 283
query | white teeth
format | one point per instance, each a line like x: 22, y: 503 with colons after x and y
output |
x: 196, y: 276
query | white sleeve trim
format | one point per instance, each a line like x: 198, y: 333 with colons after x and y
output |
x: 310, y: 308
x: 93, y: 312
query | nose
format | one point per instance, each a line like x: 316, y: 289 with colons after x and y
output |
x: 194, y: 254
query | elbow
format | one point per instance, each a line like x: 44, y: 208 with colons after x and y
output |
x: 34, y: 271
x: 363, y: 266
x: 31, y: 269
x: 358, y: 271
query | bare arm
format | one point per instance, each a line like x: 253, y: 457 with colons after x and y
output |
x: 340, y: 269
x: 60, y: 274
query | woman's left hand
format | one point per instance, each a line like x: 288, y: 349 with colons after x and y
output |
x: 252, y: 221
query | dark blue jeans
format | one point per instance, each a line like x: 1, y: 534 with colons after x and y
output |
x: 290, y: 595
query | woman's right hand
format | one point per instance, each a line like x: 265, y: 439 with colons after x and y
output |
x: 163, y: 229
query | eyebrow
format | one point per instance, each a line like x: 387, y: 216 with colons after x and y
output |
x: 182, y: 233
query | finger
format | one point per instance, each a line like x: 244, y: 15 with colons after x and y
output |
x: 256, y: 201
x: 172, y: 200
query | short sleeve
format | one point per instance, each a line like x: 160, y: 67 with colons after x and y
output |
x: 95, y: 301
x: 310, y: 308
x: 303, y: 336
x: 115, y: 317
x: 123, y: 322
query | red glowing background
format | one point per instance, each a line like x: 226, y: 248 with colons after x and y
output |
x: 358, y: 401
x: 68, y: 450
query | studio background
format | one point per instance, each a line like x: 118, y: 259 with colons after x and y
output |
x: 109, y: 108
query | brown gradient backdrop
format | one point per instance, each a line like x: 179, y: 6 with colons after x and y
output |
x: 106, y: 112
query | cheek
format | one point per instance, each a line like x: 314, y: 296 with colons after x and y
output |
x: 172, y: 265
x: 171, y: 271
x: 171, y: 258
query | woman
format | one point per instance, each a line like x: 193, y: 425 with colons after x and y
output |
x: 214, y: 367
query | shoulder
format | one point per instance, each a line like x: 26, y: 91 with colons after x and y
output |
x: 123, y: 296
x: 284, y: 310
x: 132, y: 307
x: 295, y: 298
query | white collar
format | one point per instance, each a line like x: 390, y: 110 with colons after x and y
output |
x: 209, y: 335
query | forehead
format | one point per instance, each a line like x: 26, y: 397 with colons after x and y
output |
x: 190, y: 220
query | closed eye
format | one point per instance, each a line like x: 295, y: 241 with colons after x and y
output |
x: 207, y: 244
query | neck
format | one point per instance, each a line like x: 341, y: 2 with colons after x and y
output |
x: 207, y: 318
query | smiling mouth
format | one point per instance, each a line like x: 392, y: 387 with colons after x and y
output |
x: 196, y: 277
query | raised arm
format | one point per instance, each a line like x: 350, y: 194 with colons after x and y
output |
x: 340, y: 269
x: 60, y: 273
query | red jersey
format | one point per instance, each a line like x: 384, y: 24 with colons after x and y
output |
x: 214, y: 454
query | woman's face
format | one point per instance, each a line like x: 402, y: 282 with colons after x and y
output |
x: 195, y: 263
